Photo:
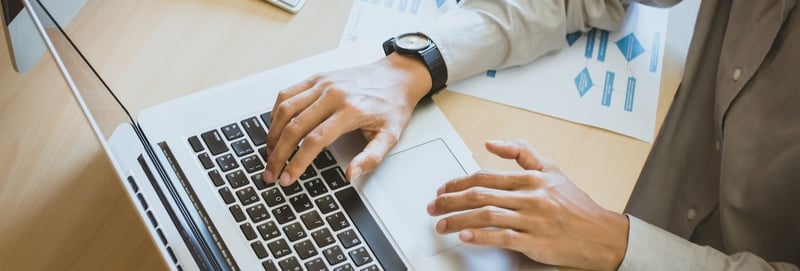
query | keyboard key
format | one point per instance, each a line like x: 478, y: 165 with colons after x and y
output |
x: 232, y: 131
x: 371, y: 268
x: 195, y: 143
x: 334, y: 255
x: 256, y: 132
x: 292, y: 189
x: 214, y: 142
x: 205, y: 160
x: 360, y: 256
x: 345, y: 267
x: 273, y: 197
x: 323, y: 237
x: 337, y: 221
x: 237, y: 213
x: 308, y: 173
x: 252, y: 164
x: 236, y: 179
x: 258, y: 213
x: 290, y: 264
x: 268, y: 230
x: 227, y: 162
x: 263, y: 152
x: 348, y: 238
x: 369, y: 229
x: 312, y: 220
x: 258, y: 181
x: 226, y: 195
x: 283, y: 214
x: 248, y: 231
x: 305, y: 249
x: 241, y: 147
x: 258, y: 248
x: 326, y: 204
x: 294, y: 232
x: 279, y: 248
x: 215, y: 178
x: 301, y: 203
x: 247, y: 196
x: 334, y: 177
x: 269, y: 266
x: 324, y: 159
x: 267, y: 118
x: 316, y: 265
x: 315, y: 187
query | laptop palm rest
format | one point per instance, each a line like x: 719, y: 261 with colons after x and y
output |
x: 399, y: 192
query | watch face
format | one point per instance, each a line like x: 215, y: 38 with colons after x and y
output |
x: 413, y: 41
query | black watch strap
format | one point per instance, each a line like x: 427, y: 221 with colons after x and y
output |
x: 432, y: 59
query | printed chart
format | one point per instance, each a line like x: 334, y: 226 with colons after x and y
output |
x: 605, y: 79
x: 376, y: 20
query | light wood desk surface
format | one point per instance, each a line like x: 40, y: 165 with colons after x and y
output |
x: 61, y: 205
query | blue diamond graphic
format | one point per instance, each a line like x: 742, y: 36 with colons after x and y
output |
x: 583, y: 82
x: 630, y: 47
x: 573, y: 37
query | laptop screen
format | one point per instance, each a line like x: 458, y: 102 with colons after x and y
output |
x: 103, y: 110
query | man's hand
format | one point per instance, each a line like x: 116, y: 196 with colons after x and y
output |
x: 377, y: 98
x: 537, y: 211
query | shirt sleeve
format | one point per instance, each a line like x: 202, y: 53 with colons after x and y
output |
x: 478, y: 35
x: 651, y: 248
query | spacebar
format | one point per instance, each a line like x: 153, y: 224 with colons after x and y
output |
x: 352, y: 204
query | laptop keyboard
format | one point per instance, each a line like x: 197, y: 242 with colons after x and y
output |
x: 317, y: 223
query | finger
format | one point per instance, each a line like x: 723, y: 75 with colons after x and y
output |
x: 501, y: 238
x: 518, y: 150
x: 487, y: 216
x: 323, y: 135
x: 372, y: 155
x: 502, y: 180
x: 285, y: 111
x: 297, y: 129
x: 472, y: 198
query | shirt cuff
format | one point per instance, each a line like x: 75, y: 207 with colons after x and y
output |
x: 652, y: 248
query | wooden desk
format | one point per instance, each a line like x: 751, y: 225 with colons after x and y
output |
x: 61, y: 205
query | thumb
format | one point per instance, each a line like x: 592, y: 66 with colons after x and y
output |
x: 518, y: 150
x: 372, y: 155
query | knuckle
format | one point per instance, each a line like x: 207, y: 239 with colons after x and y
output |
x: 293, y: 128
x: 508, y: 237
x: 478, y: 196
x: 313, y: 140
x: 284, y: 109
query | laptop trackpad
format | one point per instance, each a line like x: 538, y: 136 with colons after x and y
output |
x: 400, y: 190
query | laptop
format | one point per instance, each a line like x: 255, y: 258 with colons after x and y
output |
x: 192, y: 168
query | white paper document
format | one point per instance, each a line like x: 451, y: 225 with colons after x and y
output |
x: 377, y: 20
x: 607, y: 80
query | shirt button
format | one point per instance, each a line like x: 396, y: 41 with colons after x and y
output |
x: 737, y: 73
x: 691, y: 214
x: 717, y: 145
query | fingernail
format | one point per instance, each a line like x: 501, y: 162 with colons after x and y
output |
x: 284, y: 179
x: 496, y: 142
x: 465, y: 236
x: 355, y: 173
x: 441, y: 226
x: 268, y: 176
x: 431, y: 207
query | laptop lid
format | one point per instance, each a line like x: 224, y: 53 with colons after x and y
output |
x: 107, y: 115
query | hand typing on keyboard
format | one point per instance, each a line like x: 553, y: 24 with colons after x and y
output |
x: 377, y: 98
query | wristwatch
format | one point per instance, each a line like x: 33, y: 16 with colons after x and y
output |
x: 420, y: 46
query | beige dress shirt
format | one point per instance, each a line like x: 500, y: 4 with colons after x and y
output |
x: 716, y: 191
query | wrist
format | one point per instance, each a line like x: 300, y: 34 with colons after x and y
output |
x: 617, y: 242
x: 417, y: 78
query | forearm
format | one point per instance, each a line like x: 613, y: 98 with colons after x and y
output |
x: 651, y: 248
x: 481, y: 35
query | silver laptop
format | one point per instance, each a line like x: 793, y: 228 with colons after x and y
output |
x: 192, y: 167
